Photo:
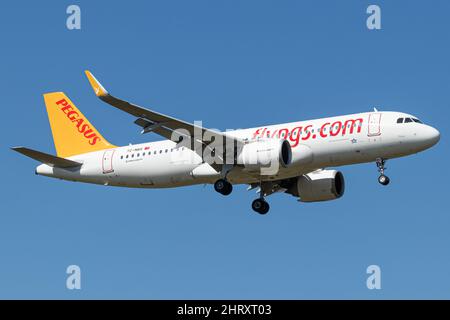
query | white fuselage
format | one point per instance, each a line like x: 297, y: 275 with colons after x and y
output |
x: 335, y: 141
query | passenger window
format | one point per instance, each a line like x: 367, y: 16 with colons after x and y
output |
x: 137, y: 155
x: 132, y: 155
x: 149, y: 153
x: 127, y: 156
x: 160, y: 151
x: 400, y: 120
x: 408, y: 120
x: 121, y: 157
x: 154, y: 152
x: 166, y: 150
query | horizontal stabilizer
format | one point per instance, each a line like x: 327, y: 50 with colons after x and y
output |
x: 47, y: 158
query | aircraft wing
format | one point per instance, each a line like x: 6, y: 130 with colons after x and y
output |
x: 152, y: 121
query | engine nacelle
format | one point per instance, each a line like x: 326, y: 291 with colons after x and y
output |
x: 321, y: 185
x: 266, y: 154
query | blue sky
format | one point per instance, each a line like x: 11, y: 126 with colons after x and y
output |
x: 231, y: 64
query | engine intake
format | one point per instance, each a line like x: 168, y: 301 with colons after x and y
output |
x: 321, y: 185
x: 266, y: 154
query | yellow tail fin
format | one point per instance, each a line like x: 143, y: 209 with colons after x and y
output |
x: 72, y: 133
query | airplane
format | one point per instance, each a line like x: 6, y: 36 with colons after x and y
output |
x: 291, y: 158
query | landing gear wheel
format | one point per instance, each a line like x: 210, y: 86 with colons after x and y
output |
x: 223, y: 186
x: 384, y: 180
x: 260, y: 206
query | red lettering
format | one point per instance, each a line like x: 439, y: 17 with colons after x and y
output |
x: 94, y: 141
x: 262, y: 134
x: 62, y: 101
x: 256, y: 133
x: 335, y: 128
x: 352, y: 123
x: 89, y: 134
x: 281, y: 131
x: 323, y: 129
x: 83, y: 128
x: 308, y: 132
x: 78, y: 123
x: 295, y: 136
x: 66, y: 108
x: 70, y: 113
x: 274, y: 134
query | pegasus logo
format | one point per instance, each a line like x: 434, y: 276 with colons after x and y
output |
x: 82, y: 127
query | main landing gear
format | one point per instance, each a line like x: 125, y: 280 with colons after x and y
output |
x: 382, y: 179
x: 260, y: 205
x: 223, y: 186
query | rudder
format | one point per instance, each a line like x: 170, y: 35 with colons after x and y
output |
x: 72, y: 132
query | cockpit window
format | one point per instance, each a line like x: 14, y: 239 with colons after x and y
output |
x: 408, y: 120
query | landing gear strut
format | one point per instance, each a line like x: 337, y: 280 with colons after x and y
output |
x: 260, y: 205
x: 223, y: 186
x: 382, y: 179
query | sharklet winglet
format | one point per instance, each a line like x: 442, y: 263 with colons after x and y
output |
x: 99, y: 90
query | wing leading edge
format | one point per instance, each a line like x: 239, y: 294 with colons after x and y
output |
x: 164, y: 125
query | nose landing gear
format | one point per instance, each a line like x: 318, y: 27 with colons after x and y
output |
x: 382, y: 179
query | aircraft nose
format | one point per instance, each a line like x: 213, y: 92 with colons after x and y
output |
x: 430, y: 136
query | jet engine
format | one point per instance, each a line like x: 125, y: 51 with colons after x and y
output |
x: 320, y: 185
x: 265, y: 154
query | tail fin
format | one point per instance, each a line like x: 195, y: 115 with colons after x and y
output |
x: 72, y: 133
